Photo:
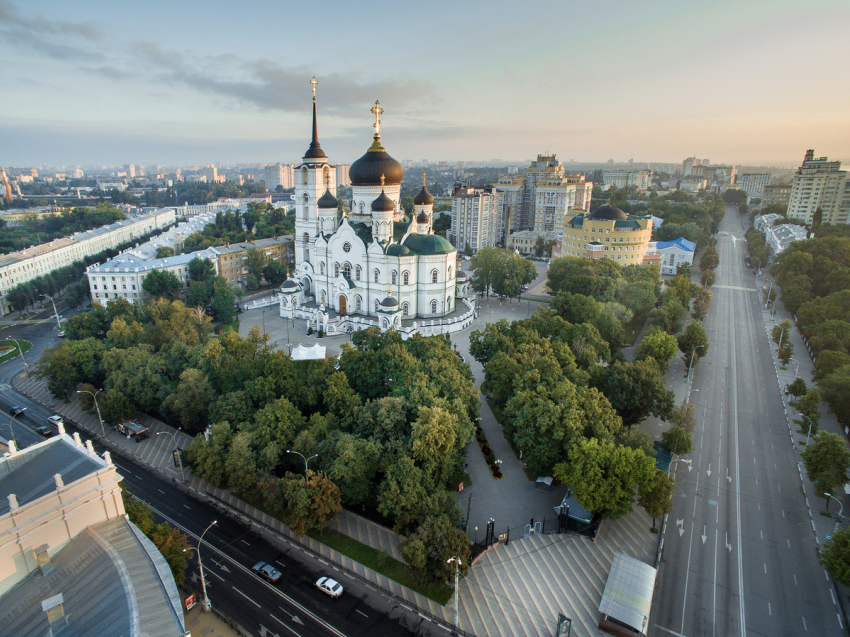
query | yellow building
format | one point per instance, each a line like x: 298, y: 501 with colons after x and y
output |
x: 606, y: 233
x: 232, y: 256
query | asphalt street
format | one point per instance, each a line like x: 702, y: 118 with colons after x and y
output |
x: 740, y: 552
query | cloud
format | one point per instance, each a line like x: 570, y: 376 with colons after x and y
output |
x: 31, y: 31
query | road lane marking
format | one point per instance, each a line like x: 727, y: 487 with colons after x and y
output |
x: 761, y: 533
x: 187, y: 506
x: 769, y: 612
x: 804, y: 624
x: 279, y: 562
x: 361, y: 612
x: 687, y: 574
x: 246, y: 597
x: 244, y: 542
x: 282, y: 624
x: 743, y: 616
x: 212, y: 572
x: 765, y: 568
x: 795, y: 580
x: 789, y: 542
x: 161, y: 491
x: 714, y: 608
x: 834, y: 603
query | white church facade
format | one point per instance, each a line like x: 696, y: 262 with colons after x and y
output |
x: 370, y: 261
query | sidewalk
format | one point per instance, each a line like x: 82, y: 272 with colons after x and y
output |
x: 207, y: 624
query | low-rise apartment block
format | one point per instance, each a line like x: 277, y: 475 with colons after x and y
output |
x: 640, y: 179
x: 231, y: 257
x: 607, y: 233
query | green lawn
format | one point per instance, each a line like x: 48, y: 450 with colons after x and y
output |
x: 233, y: 326
x: 26, y: 345
x: 382, y: 563
x: 632, y: 330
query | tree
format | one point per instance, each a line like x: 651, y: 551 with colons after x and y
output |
x: 223, y: 300
x: 639, y: 297
x: 634, y: 438
x: 797, y: 387
x: 164, y: 251
x: 684, y: 415
x: 198, y: 294
x: 162, y: 283
x: 275, y: 273
x: 201, y: 270
x: 781, y: 332
x: 836, y: 388
x: 809, y: 406
x: 835, y: 556
x: 678, y: 440
x: 707, y: 278
x: 255, y: 261
x: 305, y: 505
x: 786, y: 352
x: 429, y: 548
x: 656, y: 496
x: 636, y: 390
x: 191, y: 399
x: 403, y: 494
x: 603, y: 478
x: 252, y: 282
x: 19, y: 298
x: 826, y: 460
x: 693, y: 337
x: 709, y: 260
x: 657, y: 345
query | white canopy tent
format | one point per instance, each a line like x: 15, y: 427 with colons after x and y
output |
x: 313, y: 353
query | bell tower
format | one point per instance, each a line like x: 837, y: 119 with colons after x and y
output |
x: 313, y: 177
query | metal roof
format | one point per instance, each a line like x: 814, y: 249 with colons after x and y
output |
x: 29, y: 474
x: 681, y: 243
x: 113, y: 581
x: 628, y: 592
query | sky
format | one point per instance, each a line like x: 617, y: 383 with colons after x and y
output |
x: 752, y: 82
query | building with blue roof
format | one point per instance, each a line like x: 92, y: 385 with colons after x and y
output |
x: 674, y: 253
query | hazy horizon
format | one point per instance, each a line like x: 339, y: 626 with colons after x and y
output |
x: 107, y: 83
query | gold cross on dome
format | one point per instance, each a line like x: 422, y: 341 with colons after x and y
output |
x: 383, y: 179
x: 314, y: 81
x: 423, y: 178
x: 377, y: 110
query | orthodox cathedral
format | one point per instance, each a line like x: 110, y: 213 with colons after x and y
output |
x: 371, y: 260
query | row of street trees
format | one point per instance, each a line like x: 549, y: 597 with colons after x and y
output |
x: 502, y: 271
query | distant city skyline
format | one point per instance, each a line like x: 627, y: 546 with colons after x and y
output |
x: 164, y: 83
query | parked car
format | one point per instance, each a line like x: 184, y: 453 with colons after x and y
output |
x: 55, y: 420
x: 266, y: 571
x: 17, y: 411
x: 45, y: 431
x: 132, y: 428
x: 61, y: 333
x: 329, y: 586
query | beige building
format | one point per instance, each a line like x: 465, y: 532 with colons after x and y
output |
x: 525, y: 240
x: 70, y: 561
x: 779, y: 194
x: 607, y: 233
x: 278, y: 174
x: 819, y: 183
x: 640, y: 179
x: 540, y: 199
x: 231, y: 257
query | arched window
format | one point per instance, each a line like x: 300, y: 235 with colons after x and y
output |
x: 448, y: 304
x: 358, y: 303
x: 433, y: 304
x: 322, y: 268
x: 433, y: 276
x: 360, y: 208
x: 449, y: 275
x: 386, y: 323
x: 347, y: 269
x: 376, y: 275
x: 357, y: 273
x: 405, y: 309
x: 405, y: 277
x: 336, y: 269
x: 323, y: 297
x: 394, y: 277
x: 376, y: 305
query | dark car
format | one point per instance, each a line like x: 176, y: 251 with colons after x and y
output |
x: 45, y: 432
x: 17, y: 411
x: 266, y: 571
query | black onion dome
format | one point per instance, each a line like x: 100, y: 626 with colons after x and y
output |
x: 389, y: 302
x: 383, y: 203
x: 422, y: 217
x: 607, y: 213
x: 424, y: 198
x: 289, y: 283
x: 328, y: 201
x: 367, y: 170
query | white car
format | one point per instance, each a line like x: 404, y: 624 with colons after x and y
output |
x: 55, y: 420
x: 329, y: 586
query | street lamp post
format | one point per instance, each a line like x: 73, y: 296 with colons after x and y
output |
x: 808, y: 435
x: 796, y: 369
x: 96, y: 406
x: 55, y: 311
x: 767, y: 305
x: 699, y: 320
x: 264, y: 322
x: 206, y: 603
x: 12, y: 431
x: 840, y: 510
x: 174, y: 442
x: 306, y: 460
x: 692, y: 359
x: 456, y: 560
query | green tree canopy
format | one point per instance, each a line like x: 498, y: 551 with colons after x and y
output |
x: 603, y: 477
x: 656, y: 496
x: 657, y: 345
x: 826, y: 460
x: 162, y: 283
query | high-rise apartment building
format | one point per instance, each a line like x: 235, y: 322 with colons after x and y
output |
x: 819, y: 183
x: 342, y: 178
x: 211, y: 173
x: 753, y: 184
x: 778, y: 194
x: 539, y: 199
x: 641, y: 179
x: 475, y: 217
x: 278, y: 174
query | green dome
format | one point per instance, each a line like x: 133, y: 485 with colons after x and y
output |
x: 396, y: 250
x: 429, y: 244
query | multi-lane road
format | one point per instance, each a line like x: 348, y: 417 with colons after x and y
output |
x: 740, y: 553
